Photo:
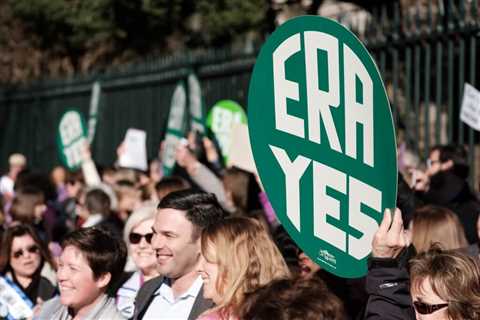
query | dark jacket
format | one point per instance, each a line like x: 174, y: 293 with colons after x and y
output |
x: 388, y: 288
x: 453, y: 192
x: 145, y: 297
x: 40, y: 287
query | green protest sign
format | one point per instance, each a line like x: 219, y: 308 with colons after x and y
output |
x: 221, y: 119
x: 175, y: 128
x: 71, y: 139
x: 323, y: 140
x: 197, y: 113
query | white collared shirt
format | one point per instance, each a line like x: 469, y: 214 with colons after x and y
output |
x: 164, y: 306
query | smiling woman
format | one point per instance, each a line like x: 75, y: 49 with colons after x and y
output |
x: 92, y: 259
x: 138, y: 236
x: 238, y: 258
x: 22, y: 258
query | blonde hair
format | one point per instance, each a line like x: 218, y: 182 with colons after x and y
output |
x: 247, y: 259
x: 437, y: 225
x: 454, y: 278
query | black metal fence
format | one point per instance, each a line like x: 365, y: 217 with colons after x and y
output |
x: 425, y: 52
x: 138, y: 96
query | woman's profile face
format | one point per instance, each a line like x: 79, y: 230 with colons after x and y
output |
x: 424, y: 298
x: 25, y: 256
x: 209, y: 273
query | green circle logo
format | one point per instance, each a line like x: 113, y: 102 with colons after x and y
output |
x: 323, y: 140
x: 221, y: 119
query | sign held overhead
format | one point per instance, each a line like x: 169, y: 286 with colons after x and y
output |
x: 323, y: 140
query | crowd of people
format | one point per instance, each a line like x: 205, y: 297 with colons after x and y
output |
x: 204, y: 243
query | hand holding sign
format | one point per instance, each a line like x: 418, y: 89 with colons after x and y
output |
x: 186, y: 159
x: 390, y: 238
x: 210, y: 150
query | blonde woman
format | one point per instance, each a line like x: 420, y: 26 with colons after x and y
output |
x: 238, y: 258
x: 437, y: 225
x: 138, y: 237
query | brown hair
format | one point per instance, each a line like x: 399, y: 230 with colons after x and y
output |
x: 97, y: 201
x: 18, y: 231
x: 236, y: 181
x: 23, y: 205
x: 454, y: 277
x: 286, y: 299
x: 437, y: 225
x: 247, y: 259
x: 104, y: 252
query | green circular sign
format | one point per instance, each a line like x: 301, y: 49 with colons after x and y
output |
x: 221, y: 119
x: 71, y: 139
x: 323, y: 140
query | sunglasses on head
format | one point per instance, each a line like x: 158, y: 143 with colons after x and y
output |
x: 137, y: 237
x: 33, y: 249
x: 425, y: 308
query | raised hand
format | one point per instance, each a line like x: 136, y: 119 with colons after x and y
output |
x: 391, y: 237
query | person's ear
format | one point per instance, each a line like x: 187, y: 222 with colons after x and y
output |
x: 103, y: 280
x: 447, y: 165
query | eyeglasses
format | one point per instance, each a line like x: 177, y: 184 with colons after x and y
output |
x: 135, y: 238
x: 33, y: 249
x: 425, y: 308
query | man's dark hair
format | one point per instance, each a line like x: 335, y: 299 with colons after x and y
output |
x: 104, y: 252
x: 459, y: 156
x: 201, y: 209
x: 97, y: 201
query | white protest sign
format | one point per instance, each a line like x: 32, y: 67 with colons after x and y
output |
x: 135, y: 155
x: 240, y: 154
x: 470, y: 112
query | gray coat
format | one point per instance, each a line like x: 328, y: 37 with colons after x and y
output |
x: 105, y: 309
